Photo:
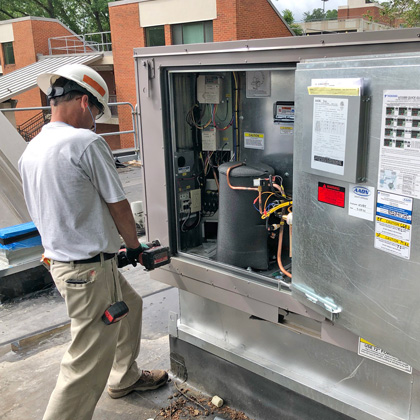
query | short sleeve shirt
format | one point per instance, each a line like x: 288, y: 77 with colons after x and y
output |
x: 68, y: 177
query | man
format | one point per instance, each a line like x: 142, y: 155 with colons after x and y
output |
x: 77, y: 202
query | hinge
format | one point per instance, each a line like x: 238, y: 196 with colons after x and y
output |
x: 325, y: 302
x: 150, y: 65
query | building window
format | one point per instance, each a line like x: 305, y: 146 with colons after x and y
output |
x: 192, y: 33
x: 8, y: 54
x: 155, y: 36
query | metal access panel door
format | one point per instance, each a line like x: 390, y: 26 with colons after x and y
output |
x: 341, y: 266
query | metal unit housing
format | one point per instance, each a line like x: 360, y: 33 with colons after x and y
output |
x: 303, y: 346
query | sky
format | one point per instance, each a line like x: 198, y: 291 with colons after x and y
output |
x: 299, y: 7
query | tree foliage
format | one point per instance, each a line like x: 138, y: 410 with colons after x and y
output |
x: 407, y: 12
x: 319, y: 14
x: 81, y: 16
x: 290, y: 20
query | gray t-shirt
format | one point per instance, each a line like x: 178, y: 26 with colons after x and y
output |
x: 68, y: 177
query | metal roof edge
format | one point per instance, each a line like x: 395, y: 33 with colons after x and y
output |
x: 283, y: 43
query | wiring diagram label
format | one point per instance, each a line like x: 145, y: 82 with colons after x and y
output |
x: 393, y: 224
x: 331, y: 194
x: 254, y: 141
x: 329, y: 135
x: 372, y: 352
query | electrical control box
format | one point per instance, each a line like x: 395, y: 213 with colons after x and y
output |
x: 209, y: 89
x: 209, y: 139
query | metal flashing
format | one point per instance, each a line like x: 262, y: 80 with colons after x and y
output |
x: 396, y: 36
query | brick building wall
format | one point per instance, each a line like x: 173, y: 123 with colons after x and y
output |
x: 126, y: 35
x: 257, y: 19
x: 367, y: 12
x: 225, y: 27
x: 42, y: 30
x: 236, y: 19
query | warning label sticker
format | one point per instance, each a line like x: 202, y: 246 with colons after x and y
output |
x: 372, y: 352
x: 254, y: 141
x: 331, y: 194
x: 393, y: 224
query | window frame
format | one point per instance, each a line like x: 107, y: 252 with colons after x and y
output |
x: 9, y: 60
x: 147, y: 35
x: 207, y: 30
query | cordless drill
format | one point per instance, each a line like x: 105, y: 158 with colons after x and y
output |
x: 153, y: 256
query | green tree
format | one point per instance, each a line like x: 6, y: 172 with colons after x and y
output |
x: 81, y: 16
x: 316, y: 14
x: 405, y: 11
x: 331, y: 14
x: 290, y: 20
x: 319, y: 14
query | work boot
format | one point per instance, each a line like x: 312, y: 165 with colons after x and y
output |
x: 149, y: 379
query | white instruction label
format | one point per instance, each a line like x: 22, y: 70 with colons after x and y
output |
x: 254, y: 140
x: 370, y: 351
x: 393, y: 224
x: 362, y: 202
x: 329, y: 134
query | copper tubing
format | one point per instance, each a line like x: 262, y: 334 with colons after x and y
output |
x: 238, y: 188
x: 282, y: 269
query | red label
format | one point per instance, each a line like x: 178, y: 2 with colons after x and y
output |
x: 331, y: 194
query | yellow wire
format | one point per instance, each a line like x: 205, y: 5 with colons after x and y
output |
x: 287, y: 203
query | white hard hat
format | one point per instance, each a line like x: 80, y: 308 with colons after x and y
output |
x: 85, y: 77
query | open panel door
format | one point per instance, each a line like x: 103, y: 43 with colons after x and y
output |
x: 356, y: 238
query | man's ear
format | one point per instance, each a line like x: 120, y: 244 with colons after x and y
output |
x: 84, y: 102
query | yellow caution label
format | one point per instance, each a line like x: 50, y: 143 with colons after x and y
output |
x: 393, y: 222
x: 366, y: 342
x: 334, y: 91
x: 286, y: 128
x: 261, y: 136
x: 388, y: 238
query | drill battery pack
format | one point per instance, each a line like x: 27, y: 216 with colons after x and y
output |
x: 116, y: 312
x: 155, y: 257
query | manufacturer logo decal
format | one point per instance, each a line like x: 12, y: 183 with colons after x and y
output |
x: 361, y: 191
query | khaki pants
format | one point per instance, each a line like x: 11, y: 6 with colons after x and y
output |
x: 97, y: 352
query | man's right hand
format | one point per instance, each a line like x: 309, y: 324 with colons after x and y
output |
x: 134, y: 255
